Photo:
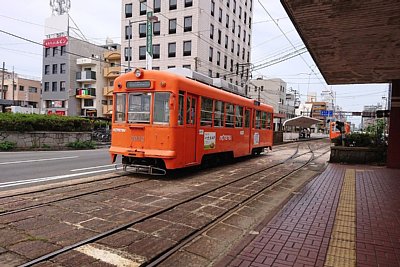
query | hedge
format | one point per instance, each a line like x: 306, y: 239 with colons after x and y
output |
x: 36, y: 122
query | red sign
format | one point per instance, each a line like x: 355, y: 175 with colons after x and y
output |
x: 54, y: 42
x: 60, y: 112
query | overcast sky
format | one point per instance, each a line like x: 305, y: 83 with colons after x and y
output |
x: 99, y: 19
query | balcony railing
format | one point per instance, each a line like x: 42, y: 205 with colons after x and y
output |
x: 112, y: 55
x: 108, y: 91
x: 87, y: 75
x: 107, y: 110
x: 86, y: 93
x: 112, y: 72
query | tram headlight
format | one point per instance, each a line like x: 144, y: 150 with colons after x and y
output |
x: 138, y: 73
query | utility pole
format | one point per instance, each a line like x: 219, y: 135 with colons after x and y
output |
x: 2, y: 80
x: 13, y: 81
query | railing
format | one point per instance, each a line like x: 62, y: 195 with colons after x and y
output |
x: 85, y: 92
x: 86, y: 75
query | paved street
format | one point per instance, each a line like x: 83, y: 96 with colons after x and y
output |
x: 22, y: 169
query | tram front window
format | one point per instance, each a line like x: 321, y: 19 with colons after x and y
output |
x: 139, y: 107
x: 161, y: 108
x: 120, y: 107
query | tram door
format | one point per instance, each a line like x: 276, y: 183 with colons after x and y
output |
x: 190, y: 129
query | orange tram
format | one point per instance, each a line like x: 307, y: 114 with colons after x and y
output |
x: 164, y: 121
x: 334, y: 132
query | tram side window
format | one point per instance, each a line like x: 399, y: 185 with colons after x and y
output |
x: 120, y: 107
x: 206, y: 111
x: 218, y: 114
x: 161, y: 107
x: 230, y: 114
x: 247, y: 118
x: 269, y: 120
x: 139, y: 107
x: 263, y: 120
x: 181, y: 107
x: 257, y: 118
x: 239, y: 116
x: 190, y: 110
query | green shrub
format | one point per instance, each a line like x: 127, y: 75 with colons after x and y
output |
x: 7, y: 145
x: 36, y: 122
x: 82, y: 145
x: 357, y: 140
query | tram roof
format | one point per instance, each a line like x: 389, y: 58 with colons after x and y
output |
x: 302, y: 121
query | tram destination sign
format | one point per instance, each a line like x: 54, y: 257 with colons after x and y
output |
x: 138, y: 84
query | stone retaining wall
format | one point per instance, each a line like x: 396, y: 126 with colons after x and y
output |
x: 357, y: 155
x: 53, y: 140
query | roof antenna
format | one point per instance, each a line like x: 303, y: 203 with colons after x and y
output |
x: 60, y: 7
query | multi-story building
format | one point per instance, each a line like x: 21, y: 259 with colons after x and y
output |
x: 274, y: 92
x: 211, y: 36
x: 22, y: 92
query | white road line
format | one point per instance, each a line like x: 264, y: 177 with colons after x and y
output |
x: 90, y: 168
x: 36, y: 160
x: 44, y: 179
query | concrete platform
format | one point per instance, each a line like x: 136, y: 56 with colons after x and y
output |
x: 346, y: 216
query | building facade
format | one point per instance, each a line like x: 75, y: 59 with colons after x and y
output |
x: 209, y: 36
x: 21, y: 92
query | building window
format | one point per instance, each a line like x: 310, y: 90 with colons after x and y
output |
x: 171, y: 49
x: 250, y: 22
x: 212, y: 8
x: 187, y: 24
x: 238, y: 50
x: 227, y: 21
x: 211, y: 31
x: 240, y: 12
x: 228, y: 3
x: 245, y: 17
x: 231, y: 69
x: 239, y: 30
x: 219, y: 36
x: 187, y: 66
x: 225, y: 62
x: 46, y: 69
x: 233, y: 46
x: 142, y: 30
x: 156, y: 51
x: 234, y: 7
x: 156, y: 28
x: 47, y: 52
x: 128, y: 10
x: 226, y: 41
x: 143, y: 8
x: 218, y: 58
x: 172, y: 4
x: 220, y: 15
x: 55, y: 51
x: 248, y: 56
x: 251, y: 5
x: 63, y: 68
x: 210, y: 73
x: 54, y: 86
x: 142, y: 52
x: 88, y: 102
x: 21, y: 88
x: 244, y: 35
x: 128, y: 53
x: 248, y: 40
x: 188, y: 3
x: 243, y: 53
x: 62, y: 86
x: 128, y: 32
x: 63, y: 50
x: 155, y: 68
x: 233, y: 26
x: 32, y: 89
x: 157, y: 6
x: 46, y: 86
x: 171, y: 67
x: 187, y: 48
x: 172, y: 26
x: 210, y: 54
x: 54, y: 69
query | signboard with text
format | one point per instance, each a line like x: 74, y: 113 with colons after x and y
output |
x: 55, y: 42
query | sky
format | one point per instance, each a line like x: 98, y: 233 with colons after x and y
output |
x: 275, y: 43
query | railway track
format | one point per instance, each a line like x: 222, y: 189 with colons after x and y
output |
x: 253, y: 177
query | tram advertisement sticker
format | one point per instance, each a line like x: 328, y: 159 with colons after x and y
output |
x: 209, y: 140
x: 256, y: 138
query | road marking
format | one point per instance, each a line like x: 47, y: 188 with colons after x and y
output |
x: 111, y: 256
x: 36, y: 160
x: 90, y: 168
x: 51, y: 178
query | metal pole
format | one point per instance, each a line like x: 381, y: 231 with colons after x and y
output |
x: 2, y: 80
x: 13, y: 86
x: 129, y: 46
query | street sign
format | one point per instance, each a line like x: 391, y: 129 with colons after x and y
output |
x: 149, y: 35
x: 326, y: 113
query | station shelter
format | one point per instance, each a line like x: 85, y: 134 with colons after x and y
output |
x: 302, y: 123
x: 350, y: 46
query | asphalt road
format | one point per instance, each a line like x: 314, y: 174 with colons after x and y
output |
x: 24, y: 169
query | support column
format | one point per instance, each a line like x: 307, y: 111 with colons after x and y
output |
x: 393, y: 153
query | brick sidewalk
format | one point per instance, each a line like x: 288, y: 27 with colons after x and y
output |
x: 312, y: 231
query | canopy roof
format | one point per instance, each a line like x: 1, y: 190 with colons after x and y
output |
x: 302, y: 121
x: 351, y: 41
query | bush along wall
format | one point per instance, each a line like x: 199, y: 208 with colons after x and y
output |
x: 33, y: 131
